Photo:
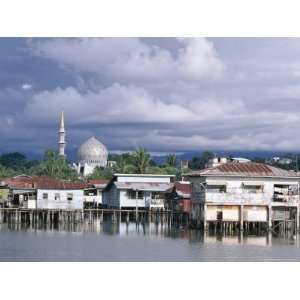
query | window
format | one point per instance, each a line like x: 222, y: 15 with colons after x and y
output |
x: 283, y: 192
x: 82, y: 170
x: 153, y: 195
x: 131, y: 194
x: 253, y: 189
x: 216, y: 188
x: 45, y: 196
x: 156, y: 195
x: 57, y: 196
x: 90, y: 192
x: 135, y: 194
x: 70, y: 196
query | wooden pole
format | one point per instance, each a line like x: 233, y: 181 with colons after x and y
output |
x: 204, y: 217
x: 269, y: 217
x: 242, y: 217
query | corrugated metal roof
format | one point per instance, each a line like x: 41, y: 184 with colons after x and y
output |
x: 144, y: 186
x: 43, y: 182
x: 183, y: 189
x: 98, y: 183
x: 247, y: 169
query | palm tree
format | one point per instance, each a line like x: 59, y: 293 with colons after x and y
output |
x: 171, y: 160
x: 141, y: 159
x: 54, y: 165
x: 123, y: 166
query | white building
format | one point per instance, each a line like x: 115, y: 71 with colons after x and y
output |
x: 137, y: 191
x: 245, y: 192
x: 60, y: 198
x: 43, y: 192
x: 91, y: 154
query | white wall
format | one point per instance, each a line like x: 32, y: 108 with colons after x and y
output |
x: 230, y: 213
x: 126, y: 202
x: 119, y: 198
x: 31, y: 204
x: 94, y: 199
x: 62, y: 203
x: 235, y: 193
x: 255, y: 214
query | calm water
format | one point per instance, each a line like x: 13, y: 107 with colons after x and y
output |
x: 121, y: 242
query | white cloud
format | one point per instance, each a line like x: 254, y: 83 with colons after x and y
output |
x: 26, y: 86
x: 131, y: 92
x: 132, y: 59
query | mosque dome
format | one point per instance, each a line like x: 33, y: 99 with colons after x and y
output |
x: 93, y: 152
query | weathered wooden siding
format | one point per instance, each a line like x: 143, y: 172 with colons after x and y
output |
x: 4, y: 194
x: 62, y: 203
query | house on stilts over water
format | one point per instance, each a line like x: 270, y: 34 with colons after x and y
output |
x: 245, y: 195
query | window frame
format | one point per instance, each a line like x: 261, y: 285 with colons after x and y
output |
x: 68, y: 196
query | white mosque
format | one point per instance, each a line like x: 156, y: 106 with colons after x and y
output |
x: 91, y: 154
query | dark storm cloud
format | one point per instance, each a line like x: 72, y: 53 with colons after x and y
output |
x: 164, y: 94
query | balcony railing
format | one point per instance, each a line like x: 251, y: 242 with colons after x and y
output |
x: 285, y: 198
x: 157, y: 202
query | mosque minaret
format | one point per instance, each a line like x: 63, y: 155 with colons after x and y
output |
x: 91, y: 154
x: 62, y: 136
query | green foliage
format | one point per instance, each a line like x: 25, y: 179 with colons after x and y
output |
x: 6, y: 172
x: 141, y: 160
x: 171, y: 160
x: 155, y: 170
x: 16, y: 161
x: 54, y: 165
x: 102, y: 173
x: 198, y: 162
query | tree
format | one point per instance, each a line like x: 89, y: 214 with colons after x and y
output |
x: 155, y: 170
x: 123, y: 166
x: 198, y: 162
x: 6, y: 172
x: 141, y: 160
x: 101, y: 173
x: 171, y: 160
x: 56, y: 166
x: 15, y: 160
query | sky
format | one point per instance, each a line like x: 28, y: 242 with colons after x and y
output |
x: 164, y: 94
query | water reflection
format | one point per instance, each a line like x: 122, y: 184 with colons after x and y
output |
x: 156, y: 231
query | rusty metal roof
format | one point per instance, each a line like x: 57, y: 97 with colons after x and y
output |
x: 42, y: 182
x: 247, y: 169
x: 183, y: 189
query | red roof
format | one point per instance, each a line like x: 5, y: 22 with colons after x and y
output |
x: 43, y: 182
x: 183, y: 189
x: 98, y: 181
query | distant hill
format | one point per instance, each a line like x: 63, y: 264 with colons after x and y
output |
x: 246, y: 154
x: 72, y: 155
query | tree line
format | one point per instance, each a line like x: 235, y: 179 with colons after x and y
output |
x: 137, y: 162
x: 53, y: 165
